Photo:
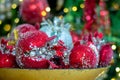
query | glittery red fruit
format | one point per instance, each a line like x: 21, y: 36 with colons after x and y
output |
x: 82, y: 56
x: 7, y: 61
x: 106, y: 54
x: 32, y: 39
x: 20, y: 30
x: 32, y: 11
x: 23, y: 28
x: 29, y: 41
x: 34, y: 62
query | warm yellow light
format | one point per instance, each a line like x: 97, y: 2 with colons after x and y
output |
x: 7, y: 27
x: 113, y: 79
x: 16, y: 20
x: 43, y: 13
x: 65, y: 10
x: 74, y: 8
x: 82, y: 5
x: 119, y: 74
x: 119, y: 54
x: 116, y: 6
x: 117, y: 69
x: 20, y: 0
x: 114, y: 47
x: 47, y: 9
x: 14, y: 6
x: 0, y: 22
x: 61, y: 16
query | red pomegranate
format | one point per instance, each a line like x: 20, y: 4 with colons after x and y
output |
x: 82, y: 56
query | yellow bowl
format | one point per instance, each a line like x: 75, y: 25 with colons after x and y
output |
x: 50, y: 74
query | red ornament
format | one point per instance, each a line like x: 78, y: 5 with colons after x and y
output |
x: 7, y: 61
x: 33, y: 11
x: 30, y: 40
x: 106, y: 54
x: 104, y: 17
x: 83, y: 56
x: 90, y: 15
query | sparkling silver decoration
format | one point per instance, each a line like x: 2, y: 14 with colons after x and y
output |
x: 98, y: 42
x: 2, y: 48
x: 59, y: 29
x: 96, y: 46
x: 43, y: 52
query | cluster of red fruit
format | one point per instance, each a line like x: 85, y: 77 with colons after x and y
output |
x: 32, y: 49
x: 91, y: 52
